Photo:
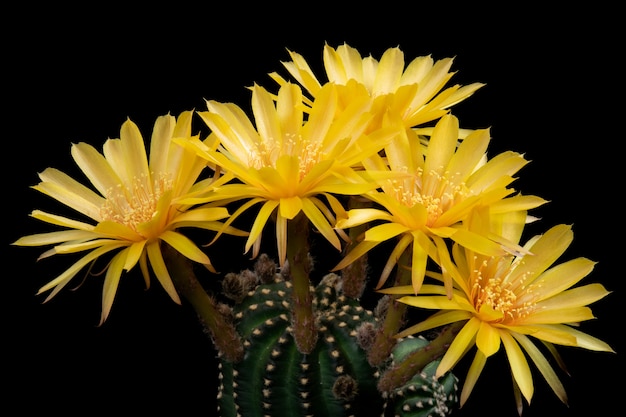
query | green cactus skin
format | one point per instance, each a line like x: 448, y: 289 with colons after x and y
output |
x: 424, y: 395
x: 274, y: 378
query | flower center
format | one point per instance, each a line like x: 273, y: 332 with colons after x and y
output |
x: 436, y: 192
x: 269, y: 150
x: 137, y: 204
x: 490, y: 287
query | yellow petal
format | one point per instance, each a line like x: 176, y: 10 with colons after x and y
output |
x: 134, y: 152
x: 320, y: 222
x: 469, y: 153
x: 543, y: 365
x: 134, y: 253
x: 355, y: 253
x: 260, y: 221
x: 51, y: 238
x: 436, y: 320
x: 160, y: 141
x: 111, y: 281
x: 160, y: 270
x: 419, y: 259
x: 70, y: 192
x: 290, y: 206
x: 487, y: 339
x: 546, y: 250
x: 95, y: 167
x: 185, y: 246
x: 442, y: 145
x: 60, y: 220
x: 68, y: 274
x: 267, y: 122
x: 357, y: 217
x: 117, y: 230
x: 402, y: 245
x: 561, y: 277
x: 473, y: 373
x: 384, y: 232
x: 576, y: 297
x: 561, y: 315
x: 477, y: 243
x: 458, y: 347
x: 519, y: 365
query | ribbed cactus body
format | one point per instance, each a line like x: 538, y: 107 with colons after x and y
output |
x: 424, y: 395
x: 274, y: 378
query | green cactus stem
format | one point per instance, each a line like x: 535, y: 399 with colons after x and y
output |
x: 303, y: 320
x: 275, y: 378
x: 423, y: 395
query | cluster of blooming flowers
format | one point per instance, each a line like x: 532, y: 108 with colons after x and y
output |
x: 377, y: 130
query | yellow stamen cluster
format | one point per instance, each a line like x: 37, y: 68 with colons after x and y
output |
x: 491, y: 287
x: 267, y: 152
x: 437, y: 193
x: 137, y: 204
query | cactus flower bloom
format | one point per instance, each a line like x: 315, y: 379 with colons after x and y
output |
x: 134, y: 209
x: 413, y: 91
x: 446, y: 185
x: 508, y: 301
x: 289, y: 163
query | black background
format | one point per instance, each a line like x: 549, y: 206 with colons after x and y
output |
x: 554, y: 81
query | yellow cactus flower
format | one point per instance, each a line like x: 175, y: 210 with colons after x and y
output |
x: 414, y: 92
x: 449, y: 191
x: 286, y: 163
x: 507, y: 301
x: 134, y: 209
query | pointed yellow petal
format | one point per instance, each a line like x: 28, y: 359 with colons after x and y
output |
x: 477, y: 243
x: 355, y: 253
x: 519, y: 365
x: 134, y: 253
x: 70, y: 192
x: 75, y: 268
x: 95, y: 167
x: 473, y: 373
x: 543, y: 365
x: 436, y: 320
x: 185, y: 246
x: 134, y: 152
x: 419, y: 259
x: 563, y: 276
x: 111, y: 282
x: 320, y: 222
x: 160, y: 270
x: 267, y: 122
x: 384, y: 232
x: 441, y: 146
x: 260, y: 221
x: 118, y: 231
x: 402, y: 245
x: 357, y: 217
x: 60, y: 220
x: 458, y: 347
x: 576, y: 297
x: 51, y: 238
x: 160, y: 142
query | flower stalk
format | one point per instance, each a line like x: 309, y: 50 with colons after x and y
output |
x: 401, y: 373
x: 394, y: 315
x: 304, y: 326
x: 211, y: 316
x: 354, y: 275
